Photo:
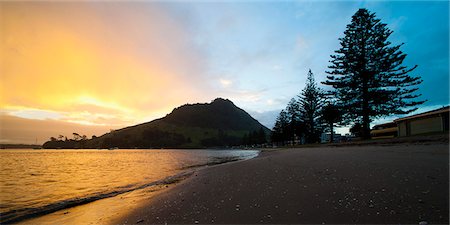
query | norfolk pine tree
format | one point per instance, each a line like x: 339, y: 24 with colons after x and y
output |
x: 367, y: 74
x: 311, y: 100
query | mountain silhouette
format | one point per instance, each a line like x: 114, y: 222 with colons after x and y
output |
x: 216, y: 124
x: 219, y: 114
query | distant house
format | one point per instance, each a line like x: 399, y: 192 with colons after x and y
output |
x: 385, y: 130
x: 433, y: 121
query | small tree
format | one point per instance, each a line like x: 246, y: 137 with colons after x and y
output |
x: 279, y: 130
x: 367, y: 74
x: 357, y: 129
x: 331, y: 115
x: 293, y: 116
x: 76, y: 136
x: 311, y: 102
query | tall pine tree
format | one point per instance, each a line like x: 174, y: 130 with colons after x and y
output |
x: 367, y: 74
x: 311, y: 102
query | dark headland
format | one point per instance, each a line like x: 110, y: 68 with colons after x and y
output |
x: 201, y: 125
x: 393, y: 184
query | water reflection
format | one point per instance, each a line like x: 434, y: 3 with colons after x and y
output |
x: 33, y: 181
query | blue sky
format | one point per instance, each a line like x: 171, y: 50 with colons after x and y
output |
x: 264, y: 49
x: 114, y: 64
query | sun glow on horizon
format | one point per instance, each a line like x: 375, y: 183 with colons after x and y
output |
x: 99, y: 69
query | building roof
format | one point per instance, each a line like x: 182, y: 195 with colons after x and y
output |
x: 444, y: 109
x: 384, y: 125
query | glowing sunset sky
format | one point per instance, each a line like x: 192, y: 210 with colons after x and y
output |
x: 114, y: 64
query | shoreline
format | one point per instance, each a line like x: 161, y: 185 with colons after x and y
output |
x: 368, y: 184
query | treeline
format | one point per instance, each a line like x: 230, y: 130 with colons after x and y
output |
x: 149, y: 138
x: 78, y: 141
x: 222, y: 139
x: 366, y: 81
x: 154, y: 138
x: 255, y: 137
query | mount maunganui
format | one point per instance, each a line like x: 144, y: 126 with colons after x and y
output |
x: 216, y: 124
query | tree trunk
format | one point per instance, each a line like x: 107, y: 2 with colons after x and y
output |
x: 365, y: 88
x: 365, y: 107
x: 366, y: 126
x: 365, y: 112
x: 331, y: 134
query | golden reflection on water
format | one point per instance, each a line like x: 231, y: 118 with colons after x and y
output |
x: 36, y: 180
x: 39, y: 177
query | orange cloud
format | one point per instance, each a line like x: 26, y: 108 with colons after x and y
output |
x: 90, y: 59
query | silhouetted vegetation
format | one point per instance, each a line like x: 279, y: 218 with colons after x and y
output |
x: 280, y: 132
x: 301, y: 120
x: 255, y: 137
x: 311, y: 102
x: 155, y: 138
x: 78, y: 141
x: 331, y: 114
x: 63, y: 144
x: 221, y: 140
x: 357, y: 129
x: 294, y: 124
x: 367, y: 74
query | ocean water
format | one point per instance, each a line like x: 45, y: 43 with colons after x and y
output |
x: 37, y: 182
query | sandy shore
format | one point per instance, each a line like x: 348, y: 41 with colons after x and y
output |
x: 381, y: 184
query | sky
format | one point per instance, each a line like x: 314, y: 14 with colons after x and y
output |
x: 92, y: 66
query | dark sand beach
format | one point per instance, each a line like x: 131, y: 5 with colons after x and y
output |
x: 405, y: 184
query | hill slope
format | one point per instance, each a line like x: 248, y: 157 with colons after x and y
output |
x: 219, y: 123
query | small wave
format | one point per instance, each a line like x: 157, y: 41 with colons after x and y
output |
x: 214, y: 161
x: 26, y: 213
x: 221, y: 160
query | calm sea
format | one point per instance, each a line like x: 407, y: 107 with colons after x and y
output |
x: 36, y: 182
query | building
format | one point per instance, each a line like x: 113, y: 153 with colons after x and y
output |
x: 433, y: 121
x: 385, y: 130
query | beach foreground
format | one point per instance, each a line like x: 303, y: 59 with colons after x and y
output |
x: 365, y: 184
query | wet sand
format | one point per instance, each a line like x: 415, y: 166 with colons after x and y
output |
x: 101, y: 212
x: 405, y: 184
